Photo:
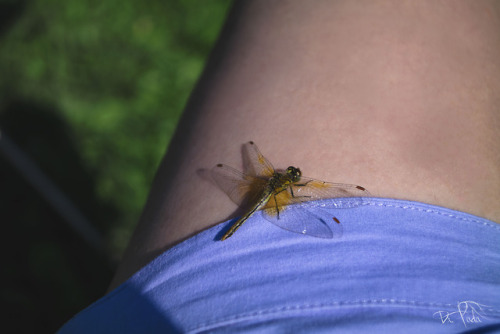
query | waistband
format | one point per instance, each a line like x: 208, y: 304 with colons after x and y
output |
x: 399, y: 265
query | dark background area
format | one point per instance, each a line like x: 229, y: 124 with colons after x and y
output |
x: 90, y: 95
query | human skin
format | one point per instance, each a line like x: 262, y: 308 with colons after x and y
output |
x: 401, y: 97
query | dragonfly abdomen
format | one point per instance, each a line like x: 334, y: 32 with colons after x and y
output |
x: 266, y: 195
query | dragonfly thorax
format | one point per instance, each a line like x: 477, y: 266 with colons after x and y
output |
x: 281, y: 181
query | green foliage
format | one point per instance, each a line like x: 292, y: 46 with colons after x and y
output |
x: 119, y: 72
x: 92, y: 92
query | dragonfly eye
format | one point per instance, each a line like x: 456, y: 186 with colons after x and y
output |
x: 294, y: 172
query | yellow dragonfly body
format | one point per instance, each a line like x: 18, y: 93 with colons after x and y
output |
x: 279, y: 195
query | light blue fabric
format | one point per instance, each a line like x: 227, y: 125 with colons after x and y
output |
x: 399, y: 267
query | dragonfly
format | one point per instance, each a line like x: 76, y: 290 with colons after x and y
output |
x: 281, y: 195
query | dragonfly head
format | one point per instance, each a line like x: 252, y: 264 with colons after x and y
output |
x: 294, y: 173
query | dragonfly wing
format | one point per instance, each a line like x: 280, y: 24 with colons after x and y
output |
x: 310, y: 189
x: 298, y: 218
x: 255, y: 163
x: 241, y: 188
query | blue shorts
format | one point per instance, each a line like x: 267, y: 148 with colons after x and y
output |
x: 399, y: 266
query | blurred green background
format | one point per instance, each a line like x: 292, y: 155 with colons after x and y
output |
x: 91, y: 91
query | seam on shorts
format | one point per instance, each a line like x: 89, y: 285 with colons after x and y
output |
x: 367, y: 202
x: 489, y: 311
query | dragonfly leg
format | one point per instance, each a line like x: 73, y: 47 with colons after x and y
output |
x: 302, y: 184
x: 276, y: 204
x: 298, y: 185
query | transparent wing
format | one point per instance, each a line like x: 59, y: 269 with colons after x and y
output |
x: 308, y: 189
x: 241, y: 188
x: 255, y: 163
x: 299, y: 218
x: 290, y: 210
